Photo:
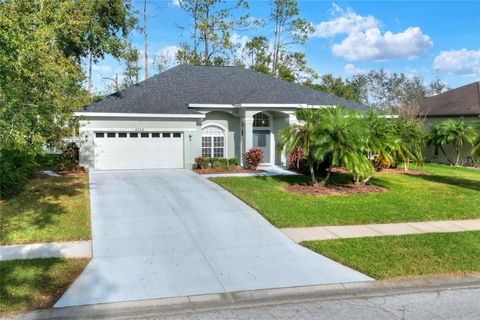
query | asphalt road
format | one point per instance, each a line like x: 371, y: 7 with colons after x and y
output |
x: 443, y: 304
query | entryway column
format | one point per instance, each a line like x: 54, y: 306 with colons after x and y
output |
x: 247, y: 133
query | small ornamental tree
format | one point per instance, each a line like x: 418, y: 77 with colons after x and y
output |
x: 455, y: 132
x: 253, y: 158
x: 411, y: 140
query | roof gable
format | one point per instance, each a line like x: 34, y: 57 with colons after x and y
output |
x: 462, y: 101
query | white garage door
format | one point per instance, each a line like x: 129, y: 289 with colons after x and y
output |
x: 138, y: 150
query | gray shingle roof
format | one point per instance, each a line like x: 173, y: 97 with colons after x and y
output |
x: 171, y: 92
x: 462, y: 101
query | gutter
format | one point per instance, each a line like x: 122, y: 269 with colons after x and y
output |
x: 138, y: 115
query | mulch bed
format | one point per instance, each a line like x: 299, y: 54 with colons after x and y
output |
x: 401, y: 171
x: 236, y: 170
x: 334, y: 189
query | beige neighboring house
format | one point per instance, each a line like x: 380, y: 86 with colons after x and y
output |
x: 453, y: 104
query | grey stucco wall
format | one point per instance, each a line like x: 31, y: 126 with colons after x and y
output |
x: 189, y: 127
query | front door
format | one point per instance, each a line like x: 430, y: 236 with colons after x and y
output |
x: 261, y: 139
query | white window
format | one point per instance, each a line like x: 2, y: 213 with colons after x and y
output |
x: 213, y: 142
x: 261, y: 120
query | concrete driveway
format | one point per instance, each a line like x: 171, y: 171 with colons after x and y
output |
x: 167, y: 233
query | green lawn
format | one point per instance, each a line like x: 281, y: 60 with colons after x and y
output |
x: 409, y: 255
x: 49, y: 209
x: 37, y: 283
x: 448, y: 193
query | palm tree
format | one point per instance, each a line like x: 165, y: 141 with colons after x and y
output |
x: 411, y: 140
x: 436, y: 139
x: 382, y: 140
x: 455, y: 132
x: 343, y: 137
x: 302, y: 136
x: 476, y: 150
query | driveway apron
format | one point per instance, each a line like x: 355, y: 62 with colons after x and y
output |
x: 170, y: 233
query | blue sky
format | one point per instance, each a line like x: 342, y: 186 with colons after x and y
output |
x: 428, y: 38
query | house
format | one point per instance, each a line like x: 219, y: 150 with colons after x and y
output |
x: 453, y: 104
x: 187, y: 111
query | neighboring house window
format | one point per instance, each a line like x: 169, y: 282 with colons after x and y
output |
x: 261, y: 120
x: 213, y: 142
x: 435, y: 151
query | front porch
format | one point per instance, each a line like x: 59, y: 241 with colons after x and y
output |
x: 228, y: 133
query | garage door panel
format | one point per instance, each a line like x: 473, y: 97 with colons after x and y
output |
x: 138, y: 153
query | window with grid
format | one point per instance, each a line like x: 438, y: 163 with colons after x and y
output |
x: 261, y: 120
x: 213, y: 142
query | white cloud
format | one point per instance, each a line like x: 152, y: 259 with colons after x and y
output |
x: 346, y: 21
x: 107, y: 68
x: 372, y: 45
x: 352, y: 70
x: 176, y: 3
x: 365, y: 40
x: 166, y: 57
x: 463, y: 61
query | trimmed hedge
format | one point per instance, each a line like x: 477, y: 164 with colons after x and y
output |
x: 216, y: 162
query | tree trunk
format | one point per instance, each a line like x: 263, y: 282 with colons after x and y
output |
x: 329, y: 171
x: 312, y: 175
x: 145, y: 36
x: 90, y: 61
x: 205, y: 38
x: 405, y: 164
x: 457, y: 157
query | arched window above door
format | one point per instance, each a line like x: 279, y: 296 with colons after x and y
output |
x: 213, y: 142
x: 261, y: 120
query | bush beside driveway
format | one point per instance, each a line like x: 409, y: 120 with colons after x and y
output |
x: 447, y: 193
x: 48, y: 209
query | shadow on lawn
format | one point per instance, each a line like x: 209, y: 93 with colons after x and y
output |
x: 40, y: 202
x: 454, y: 181
x: 37, y: 283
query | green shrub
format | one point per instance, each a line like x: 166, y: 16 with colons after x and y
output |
x: 233, y: 161
x: 210, y: 161
x: 48, y: 161
x: 219, y: 165
x: 16, y: 168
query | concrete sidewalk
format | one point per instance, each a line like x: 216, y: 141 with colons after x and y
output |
x: 73, y: 249
x: 377, y: 230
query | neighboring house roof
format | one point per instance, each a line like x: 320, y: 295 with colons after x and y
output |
x: 462, y: 101
x: 171, y: 92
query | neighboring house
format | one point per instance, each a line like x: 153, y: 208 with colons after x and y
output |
x: 453, y: 104
x: 189, y: 111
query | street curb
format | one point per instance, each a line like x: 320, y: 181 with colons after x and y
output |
x: 243, y: 299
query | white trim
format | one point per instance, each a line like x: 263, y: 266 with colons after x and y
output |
x: 139, y: 115
x: 213, y: 105
x: 273, y: 105
x: 95, y: 129
x: 390, y: 116
x: 204, y: 125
